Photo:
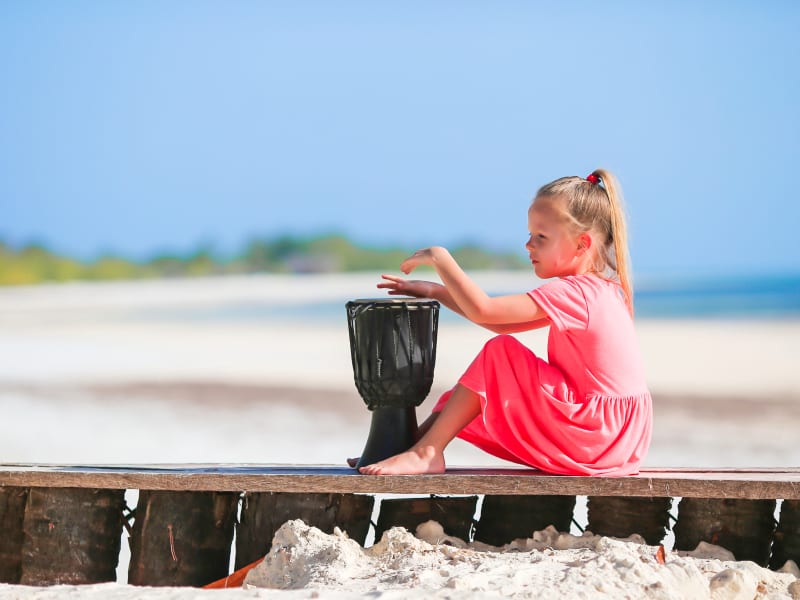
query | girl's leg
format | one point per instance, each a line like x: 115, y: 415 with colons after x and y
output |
x: 426, y: 424
x: 427, y: 455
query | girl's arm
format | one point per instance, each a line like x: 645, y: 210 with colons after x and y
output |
x: 398, y: 286
x: 516, y: 327
x: 511, y: 311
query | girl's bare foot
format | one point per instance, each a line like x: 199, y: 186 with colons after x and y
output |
x: 425, y: 459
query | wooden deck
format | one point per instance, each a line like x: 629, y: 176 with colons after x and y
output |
x: 783, y: 483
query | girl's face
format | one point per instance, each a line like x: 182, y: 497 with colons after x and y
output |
x: 554, y: 250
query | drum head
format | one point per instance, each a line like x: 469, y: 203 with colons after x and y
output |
x: 389, y: 301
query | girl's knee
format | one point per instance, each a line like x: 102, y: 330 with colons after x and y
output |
x: 505, y: 348
x: 502, y: 343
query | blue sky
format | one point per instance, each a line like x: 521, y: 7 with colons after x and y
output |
x: 142, y: 127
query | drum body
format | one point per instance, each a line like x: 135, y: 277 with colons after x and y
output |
x: 393, y: 350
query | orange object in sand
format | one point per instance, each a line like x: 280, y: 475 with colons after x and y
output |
x: 235, y: 579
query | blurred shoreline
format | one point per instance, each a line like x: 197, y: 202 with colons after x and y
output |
x: 292, y: 331
x: 126, y: 372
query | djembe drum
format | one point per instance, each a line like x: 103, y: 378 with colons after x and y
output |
x: 393, y: 348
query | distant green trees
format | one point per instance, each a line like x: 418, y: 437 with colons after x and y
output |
x: 34, y: 263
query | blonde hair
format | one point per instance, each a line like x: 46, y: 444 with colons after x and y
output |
x: 595, y: 204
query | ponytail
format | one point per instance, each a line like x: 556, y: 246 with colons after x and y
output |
x: 619, y: 233
x: 595, y: 204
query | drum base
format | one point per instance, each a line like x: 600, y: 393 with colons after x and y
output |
x: 392, y: 430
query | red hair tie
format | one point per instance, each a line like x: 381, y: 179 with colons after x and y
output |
x: 592, y: 178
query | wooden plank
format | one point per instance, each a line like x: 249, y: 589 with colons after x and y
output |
x: 12, y: 515
x: 744, y: 527
x: 71, y: 536
x: 182, y: 538
x: 698, y: 483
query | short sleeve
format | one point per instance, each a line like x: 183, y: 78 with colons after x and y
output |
x: 564, y: 302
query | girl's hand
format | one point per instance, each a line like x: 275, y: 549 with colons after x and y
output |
x: 397, y: 286
x: 420, y: 257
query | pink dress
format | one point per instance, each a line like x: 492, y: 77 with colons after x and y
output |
x: 587, y: 411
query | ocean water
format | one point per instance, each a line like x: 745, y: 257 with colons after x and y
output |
x: 720, y: 297
x: 764, y: 297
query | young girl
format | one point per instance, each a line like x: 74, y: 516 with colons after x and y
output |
x: 588, y: 410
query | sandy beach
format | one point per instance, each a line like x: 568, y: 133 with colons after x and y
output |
x: 235, y: 370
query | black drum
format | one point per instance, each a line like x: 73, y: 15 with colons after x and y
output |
x: 393, y: 348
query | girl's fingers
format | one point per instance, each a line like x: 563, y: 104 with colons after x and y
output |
x: 390, y: 281
x: 412, y: 262
x: 398, y: 286
x: 407, y: 266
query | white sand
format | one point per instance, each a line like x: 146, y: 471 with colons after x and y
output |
x: 547, y: 565
x: 307, y: 563
x: 124, y: 373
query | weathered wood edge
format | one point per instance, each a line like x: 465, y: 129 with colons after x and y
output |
x: 746, y: 484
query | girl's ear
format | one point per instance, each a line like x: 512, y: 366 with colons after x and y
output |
x: 584, y: 243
